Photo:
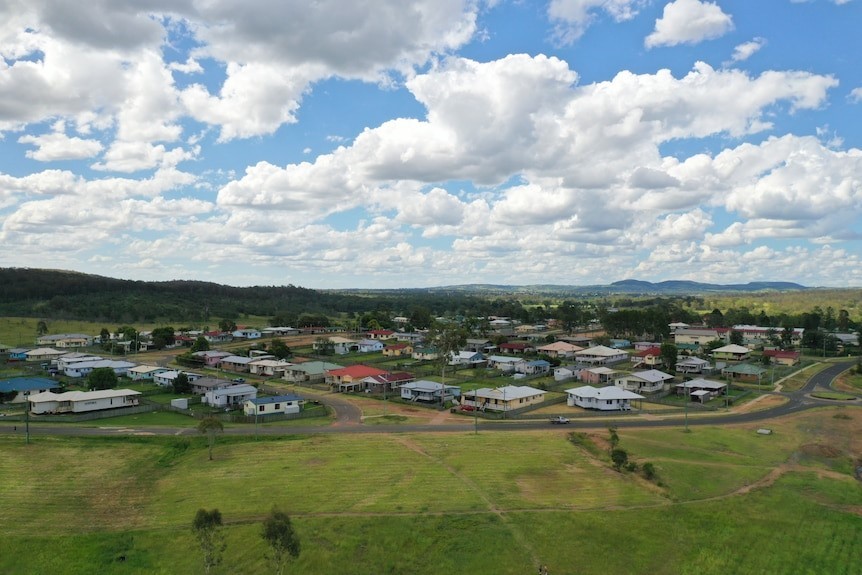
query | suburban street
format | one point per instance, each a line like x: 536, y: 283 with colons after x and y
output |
x: 348, y: 418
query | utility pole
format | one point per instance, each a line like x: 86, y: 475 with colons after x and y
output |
x: 27, y: 422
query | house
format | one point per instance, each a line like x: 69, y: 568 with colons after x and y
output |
x: 650, y: 356
x: 246, y: 333
x: 279, y: 331
x: 218, y: 336
x: 43, y: 354
x: 480, y: 345
x: 677, y: 325
x: 700, y: 336
x: 386, y: 381
x: 68, y: 359
x: 701, y: 390
x: 428, y: 353
x: 560, y: 349
x: 144, y: 372
x: 65, y: 340
x: 731, y: 352
x: 83, y: 368
x: 610, y: 398
x: 309, y: 371
x: 268, y: 367
x: 505, y: 363
x: 205, y: 384
x: 429, y: 391
x: 340, y: 345
x: 381, y: 334
x: 782, y: 357
x: 82, y: 401
x: 600, y: 355
x: 166, y: 378
x: 516, y: 347
x: 565, y: 372
x: 213, y: 357
x: 598, y: 375
x: 506, y: 398
x: 369, y: 345
x: 469, y: 358
x: 620, y: 343
x: 744, y: 372
x: 23, y: 387
x: 230, y: 396
x: 18, y: 354
x: 535, y: 367
x: 642, y: 345
x: 344, y: 377
x: 398, y: 349
x: 276, y: 404
x: 236, y: 363
x: 756, y: 336
x: 692, y: 365
x: 410, y: 337
x: 649, y: 381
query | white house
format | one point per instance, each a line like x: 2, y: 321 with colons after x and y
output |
x: 276, y: 404
x: 82, y: 401
x: 369, y: 345
x: 268, y: 367
x: 68, y: 359
x: 230, y: 396
x: 246, y: 333
x: 609, y: 398
x: 166, y: 378
x: 648, y: 381
x: 466, y: 358
x: 560, y: 349
x: 692, y: 365
x: 504, y: 398
x: 26, y: 386
x: 700, y: 389
x: 563, y: 372
x: 237, y: 363
x: 600, y: 355
x: 43, y: 353
x: 144, y: 372
x: 83, y: 368
x: 430, y: 391
x: 534, y: 367
x: 340, y: 345
x: 505, y: 363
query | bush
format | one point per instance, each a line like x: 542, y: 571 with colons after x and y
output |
x: 649, y: 471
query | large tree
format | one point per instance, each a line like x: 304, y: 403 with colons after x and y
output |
x: 669, y: 354
x: 41, y: 328
x: 447, y: 337
x: 279, y: 349
x: 201, y: 344
x: 181, y: 383
x: 207, y: 529
x: 282, y: 539
x: 102, y: 378
x: 210, y: 426
x: 163, y: 337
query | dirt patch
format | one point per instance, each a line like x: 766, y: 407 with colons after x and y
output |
x: 821, y: 450
x: 760, y: 403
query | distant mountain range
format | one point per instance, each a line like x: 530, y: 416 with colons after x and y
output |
x: 628, y: 286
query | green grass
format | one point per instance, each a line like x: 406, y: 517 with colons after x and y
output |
x: 833, y: 395
x: 435, y: 504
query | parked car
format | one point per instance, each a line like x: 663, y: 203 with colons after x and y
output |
x: 559, y: 420
x: 238, y: 380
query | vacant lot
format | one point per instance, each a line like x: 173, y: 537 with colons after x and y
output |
x: 495, y: 503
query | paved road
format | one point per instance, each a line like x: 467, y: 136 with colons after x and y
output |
x: 349, y: 418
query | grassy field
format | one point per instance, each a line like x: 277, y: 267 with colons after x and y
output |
x: 726, y: 500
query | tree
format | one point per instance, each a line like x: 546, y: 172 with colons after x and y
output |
x: 282, y: 539
x: 649, y: 471
x: 735, y: 337
x: 279, y: 349
x: 182, y: 384
x: 613, y: 437
x: 201, y: 344
x: 104, y: 336
x: 447, y: 338
x: 669, y: 354
x: 207, y: 529
x: 210, y: 426
x: 620, y: 458
x: 41, y: 328
x: 163, y: 337
x: 227, y: 325
x: 714, y: 319
x: 102, y: 378
x: 324, y: 346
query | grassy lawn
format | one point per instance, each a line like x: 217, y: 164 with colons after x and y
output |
x: 494, y: 503
x: 801, y: 377
x: 833, y: 395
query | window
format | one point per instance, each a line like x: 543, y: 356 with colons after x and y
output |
x: 277, y: 406
x: 261, y: 407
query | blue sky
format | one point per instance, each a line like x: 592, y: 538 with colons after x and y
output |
x: 435, y: 142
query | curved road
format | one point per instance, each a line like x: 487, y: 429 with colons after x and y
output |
x: 348, y: 418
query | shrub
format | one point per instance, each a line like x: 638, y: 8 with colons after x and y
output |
x: 649, y: 471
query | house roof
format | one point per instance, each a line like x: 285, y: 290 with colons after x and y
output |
x: 339, y: 339
x: 507, y: 392
x: 27, y: 384
x: 539, y: 363
x: 212, y: 353
x: 601, y: 370
x: 609, y: 392
x: 381, y: 332
x: 62, y: 336
x: 102, y: 363
x: 649, y: 351
x: 45, y: 351
x: 514, y: 345
x: 397, y: 377
x: 744, y: 369
x: 693, y: 361
x: 356, y: 371
x: 82, y: 395
x: 650, y: 375
x: 504, y: 359
x: 211, y: 383
x: 426, y: 385
x: 394, y: 346
x: 732, y: 348
x: 560, y: 346
x: 778, y: 353
x: 313, y: 367
x: 702, y: 384
x: 600, y: 350
x: 238, y: 389
x: 274, y: 399
x: 238, y: 359
x: 146, y: 369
